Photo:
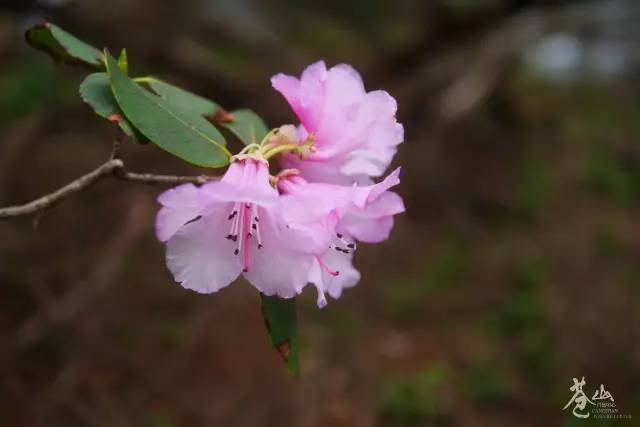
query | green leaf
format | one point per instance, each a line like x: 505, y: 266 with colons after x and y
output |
x: 63, y: 47
x: 247, y: 126
x: 179, y: 98
x: 280, y: 318
x: 95, y: 90
x: 123, y: 61
x: 181, y: 132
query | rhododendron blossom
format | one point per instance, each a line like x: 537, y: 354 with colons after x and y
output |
x: 359, y: 214
x: 234, y: 226
x: 303, y: 225
x: 354, y: 132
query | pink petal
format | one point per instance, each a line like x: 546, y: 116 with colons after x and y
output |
x: 277, y: 269
x: 289, y: 87
x: 179, y: 206
x: 312, y: 95
x: 331, y: 273
x: 325, y: 170
x: 245, y: 181
x: 368, y: 194
x: 356, y: 133
x: 342, y: 89
x: 200, y: 257
x: 372, y: 230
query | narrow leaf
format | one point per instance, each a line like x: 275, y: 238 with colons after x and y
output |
x: 281, y: 321
x: 95, y: 90
x: 179, y: 98
x: 181, y: 132
x: 247, y: 126
x: 63, y: 47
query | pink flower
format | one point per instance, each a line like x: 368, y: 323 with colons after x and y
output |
x: 347, y: 214
x: 355, y: 132
x: 234, y: 226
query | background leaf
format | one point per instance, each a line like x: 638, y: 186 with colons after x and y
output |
x: 181, y: 99
x: 247, y: 126
x: 95, y: 90
x: 63, y: 47
x: 179, y: 131
x: 280, y: 318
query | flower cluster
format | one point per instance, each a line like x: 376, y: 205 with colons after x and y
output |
x: 303, y: 225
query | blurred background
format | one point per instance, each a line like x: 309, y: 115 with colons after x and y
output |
x: 514, y: 269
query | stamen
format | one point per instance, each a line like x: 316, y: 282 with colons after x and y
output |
x: 256, y: 226
x: 247, y: 247
x: 326, y: 268
x: 193, y: 220
x: 350, y: 245
x: 233, y: 232
x: 340, y: 249
x: 241, y: 229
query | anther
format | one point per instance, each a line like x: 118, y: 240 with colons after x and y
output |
x: 193, y: 220
x: 326, y: 268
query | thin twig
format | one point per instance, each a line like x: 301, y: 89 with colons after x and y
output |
x: 112, y: 168
x: 149, y: 178
x: 73, y: 187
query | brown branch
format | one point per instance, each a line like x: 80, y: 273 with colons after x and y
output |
x: 112, y: 168
x: 149, y: 178
x: 73, y: 187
